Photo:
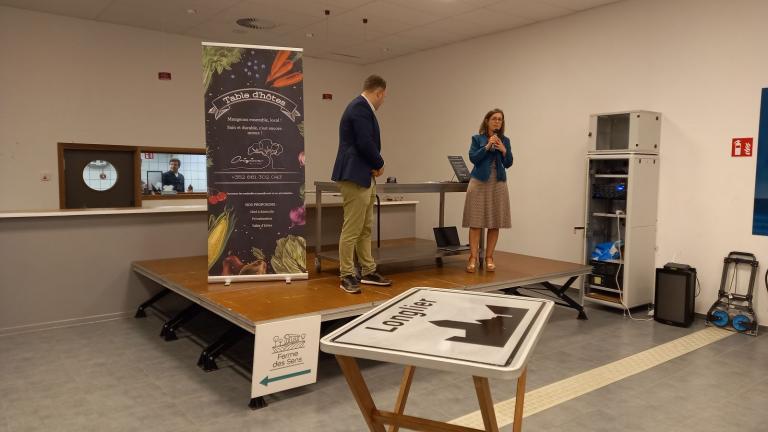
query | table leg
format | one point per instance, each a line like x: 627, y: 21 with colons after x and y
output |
x: 486, y: 404
x: 360, y: 391
x: 318, y: 226
x: 402, y: 396
x: 442, y: 210
x: 517, y: 426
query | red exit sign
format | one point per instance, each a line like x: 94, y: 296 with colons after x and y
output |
x: 741, y: 147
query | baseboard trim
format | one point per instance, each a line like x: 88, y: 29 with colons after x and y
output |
x: 31, y: 328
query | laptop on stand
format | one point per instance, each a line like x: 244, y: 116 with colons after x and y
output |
x: 459, y: 168
x: 447, y: 239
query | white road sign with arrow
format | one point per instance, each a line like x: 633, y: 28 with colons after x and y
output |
x: 447, y: 329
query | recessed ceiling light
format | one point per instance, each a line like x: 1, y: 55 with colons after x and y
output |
x: 191, y: 11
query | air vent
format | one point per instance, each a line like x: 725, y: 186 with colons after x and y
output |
x: 256, y: 23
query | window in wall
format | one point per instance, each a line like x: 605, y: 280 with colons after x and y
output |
x: 172, y: 173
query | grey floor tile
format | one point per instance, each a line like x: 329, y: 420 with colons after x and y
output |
x: 119, y: 375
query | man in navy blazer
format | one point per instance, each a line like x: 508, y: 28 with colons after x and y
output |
x: 358, y: 162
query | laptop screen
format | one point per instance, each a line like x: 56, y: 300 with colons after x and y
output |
x: 446, y: 236
x: 459, y: 168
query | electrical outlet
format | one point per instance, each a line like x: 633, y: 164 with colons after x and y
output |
x: 45, y: 176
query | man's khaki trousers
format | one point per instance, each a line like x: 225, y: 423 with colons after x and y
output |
x: 356, y: 230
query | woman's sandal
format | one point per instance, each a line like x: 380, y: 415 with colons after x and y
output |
x: 471, y: 265
x: 489, y: 265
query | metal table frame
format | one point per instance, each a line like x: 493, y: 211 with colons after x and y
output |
x: 429, y: 187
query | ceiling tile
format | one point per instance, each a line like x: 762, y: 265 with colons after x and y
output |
x: 354, y: 20
x: 314, y: 8
x: 168, y: 16
x: 87, y: 9
x: 395, y: 27
x: 578, y: 5
x: 347, y: 3
x: 317, y: 44
x: 334, y: 29
x: 382, y: 10
x: 532, y: 9
x: 443, y: 8
x: 226, y: 35
x: 380, y: 49
x: 402, y: 43
x: 285, y: 22
x: 258, y: 9
x: 445, y: 31
x: 492, y: 21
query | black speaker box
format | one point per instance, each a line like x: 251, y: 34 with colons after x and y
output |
x: 675, y: 295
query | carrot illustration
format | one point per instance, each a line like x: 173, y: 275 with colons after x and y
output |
x: 288, y: 80
x: 285, y: 68
x: 280, y: 58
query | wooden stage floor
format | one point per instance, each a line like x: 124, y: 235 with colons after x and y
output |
x: 247, y: 304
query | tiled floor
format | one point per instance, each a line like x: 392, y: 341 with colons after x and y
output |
x: 120, y: 375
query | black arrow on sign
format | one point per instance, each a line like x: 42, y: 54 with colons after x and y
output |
x: 489, y: 332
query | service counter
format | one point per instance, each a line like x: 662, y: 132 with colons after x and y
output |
x: 64, y: 267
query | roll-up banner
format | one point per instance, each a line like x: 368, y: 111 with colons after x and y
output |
x: 760, y: 210
x: 254, y: 132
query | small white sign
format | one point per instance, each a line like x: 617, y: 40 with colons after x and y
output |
x: 285, y: 355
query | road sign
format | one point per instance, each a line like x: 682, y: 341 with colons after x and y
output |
x: 446, y: 329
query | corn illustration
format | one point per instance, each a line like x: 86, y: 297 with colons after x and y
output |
x: 219, y: 230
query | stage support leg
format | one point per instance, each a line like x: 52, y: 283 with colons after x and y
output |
x: 207, y: 360
x: 141, y: 311
x: 169, y: 328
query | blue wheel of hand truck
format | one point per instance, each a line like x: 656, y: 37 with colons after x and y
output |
x: 741, y: 323
x: 719, y: 318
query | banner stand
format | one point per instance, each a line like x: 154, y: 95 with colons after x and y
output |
x: 254, y: 131
x: 287, y: 277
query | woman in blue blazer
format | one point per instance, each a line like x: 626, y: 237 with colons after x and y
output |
x: 487, y: 200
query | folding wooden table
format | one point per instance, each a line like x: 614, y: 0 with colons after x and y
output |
x: 482, y: 334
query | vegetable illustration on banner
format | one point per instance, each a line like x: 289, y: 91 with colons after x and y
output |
x: 254, y: 129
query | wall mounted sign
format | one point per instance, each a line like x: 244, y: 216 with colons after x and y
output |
x: 741, y: 147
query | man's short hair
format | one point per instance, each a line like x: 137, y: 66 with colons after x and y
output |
x: 174, y: 160
x: 374, y: 82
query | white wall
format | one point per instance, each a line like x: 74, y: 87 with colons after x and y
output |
x: 701, y: 63
x: 71, y: 80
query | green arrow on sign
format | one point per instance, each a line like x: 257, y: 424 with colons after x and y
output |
x: 265, y: 382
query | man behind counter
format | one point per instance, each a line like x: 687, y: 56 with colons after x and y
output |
x: 173, y: 177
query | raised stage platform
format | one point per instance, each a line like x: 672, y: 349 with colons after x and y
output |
x: 248, y: 304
